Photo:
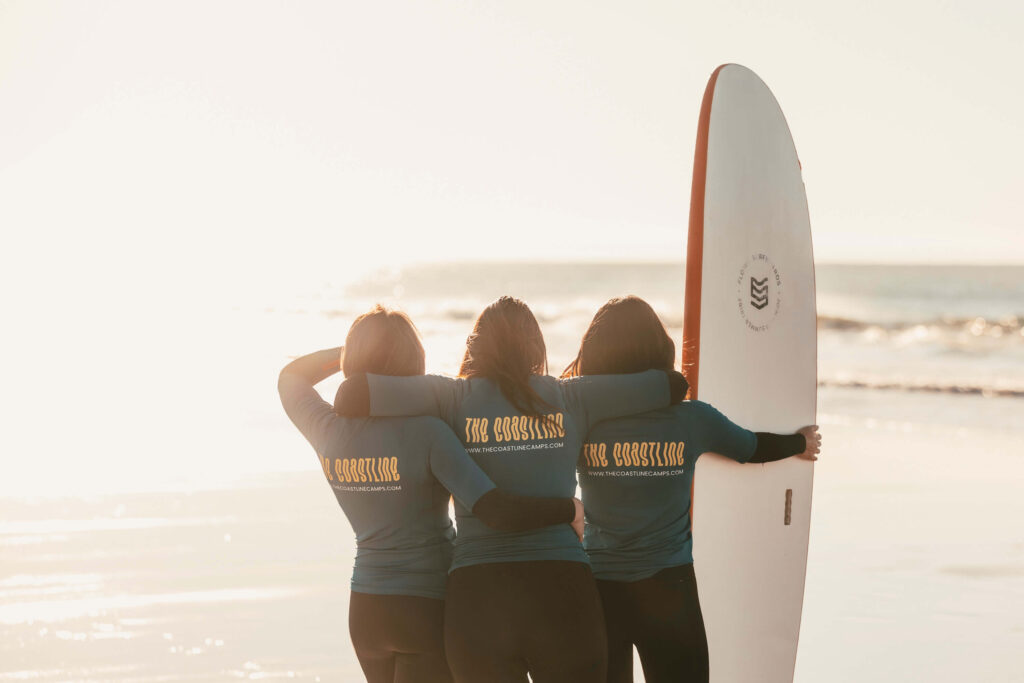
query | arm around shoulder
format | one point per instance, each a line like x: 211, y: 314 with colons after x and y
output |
x: 509, y: 512
x: 602, y: 397
x: 393, y: 396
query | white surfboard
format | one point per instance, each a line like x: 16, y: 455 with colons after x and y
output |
x: 750, y: 350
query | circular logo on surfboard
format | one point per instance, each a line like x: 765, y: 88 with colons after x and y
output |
x: 758, y: 292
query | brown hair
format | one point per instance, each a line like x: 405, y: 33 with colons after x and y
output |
x: 625, y: 336
x: 383, y: 342
x: 507, y: 347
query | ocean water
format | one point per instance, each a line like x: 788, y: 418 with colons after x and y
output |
x: 191, y: 537
x: 955, y: 329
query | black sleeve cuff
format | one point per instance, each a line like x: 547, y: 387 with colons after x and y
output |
x: 353, y: 397
x: 772, y: 447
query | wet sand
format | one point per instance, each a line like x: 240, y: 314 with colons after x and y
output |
x: 916, y: 564
x: 916, y: 570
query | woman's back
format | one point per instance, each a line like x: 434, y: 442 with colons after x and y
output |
x: 635, y: 476
x: 380, y: 472
x: 385, y: 475
x: 525, y: 455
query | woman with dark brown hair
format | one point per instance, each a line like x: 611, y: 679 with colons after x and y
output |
x: 392, y: 478
x: 635, y: 474
x: 518, y: 602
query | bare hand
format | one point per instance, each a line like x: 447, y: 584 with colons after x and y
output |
x: 813, y: 438
x: 577, y: 522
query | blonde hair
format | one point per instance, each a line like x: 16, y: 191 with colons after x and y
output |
x: 383, y: 342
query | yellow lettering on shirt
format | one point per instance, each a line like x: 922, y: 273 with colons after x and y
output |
x: 513, y: 428
x: 361, y: 470
x: 646, y: 454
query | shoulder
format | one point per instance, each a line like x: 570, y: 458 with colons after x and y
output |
x: 547, y: 386
x: 462, y: 387
x: 568, y: 382
x: 459, y: 386
x: 682, y: 415
x: 695, y: 409
x: 445, y: 379
x: 570, y: 386
x: 697, y: 414
x: 406, y: 381
x: 663, y: 423
x: 551, y: 389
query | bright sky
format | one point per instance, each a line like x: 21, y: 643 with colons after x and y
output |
x: 158, y: 155
x: 241, y: 140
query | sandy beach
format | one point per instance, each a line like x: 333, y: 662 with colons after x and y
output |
x: 916, y: 570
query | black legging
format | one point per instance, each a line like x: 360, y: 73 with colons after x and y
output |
x: 505, y: 619
x: 661, y: 616
x: 398, y: 638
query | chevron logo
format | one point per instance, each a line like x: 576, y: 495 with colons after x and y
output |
x: 758, y: 292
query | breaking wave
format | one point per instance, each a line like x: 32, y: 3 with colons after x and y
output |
x: 927, y: 387
x: 978, y: 326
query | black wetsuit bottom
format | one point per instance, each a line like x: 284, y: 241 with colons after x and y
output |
x: 505, y: 619
x: 661, y: 616
x: 398, y: 638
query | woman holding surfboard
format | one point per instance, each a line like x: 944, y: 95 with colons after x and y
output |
x: 523, y: 602
x: 392, y: 478
x: 636, y: 474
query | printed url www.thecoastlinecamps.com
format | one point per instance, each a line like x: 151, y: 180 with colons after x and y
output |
x: 516, y: 447
x: 371, y: 489
x: 635, y: 473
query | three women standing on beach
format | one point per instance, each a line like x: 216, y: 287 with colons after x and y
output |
x: 521, y: 602
x: 527, y: 601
